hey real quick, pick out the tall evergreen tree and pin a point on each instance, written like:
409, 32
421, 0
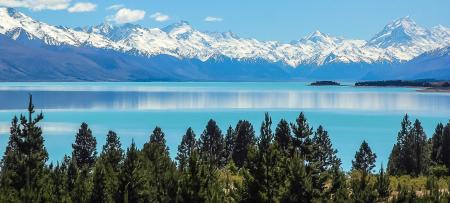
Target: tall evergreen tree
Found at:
84, 149
200, 182
401, 159
230, 138
394, 166
301, 139
245, 138
283, 136
212, 144
323, 158
83, 186
23, 165
185, 149
446, 146
112, 153
364, 159
100, 191
410, 155
72, 174
159, 168
267, 176
132, 181
107, 169
299, 182
436, 141
420, 150
338, 192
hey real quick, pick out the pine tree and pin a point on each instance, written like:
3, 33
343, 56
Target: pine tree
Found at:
23, 165
132, 181
299, 182
401, 160
159, 169
212, 144
421, 155
364, 159
338, 192
394, 161
323, 158
301, 139
410, 155
230, 138
185, 149
283, 137
82, 188
267, 176
100, 192
72, 174
59, 180
383, 184
446, 146
108, 167
245, 138
84, 149
112, 153
436, 140
200, 182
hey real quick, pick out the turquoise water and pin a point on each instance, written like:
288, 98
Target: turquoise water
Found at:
349, 114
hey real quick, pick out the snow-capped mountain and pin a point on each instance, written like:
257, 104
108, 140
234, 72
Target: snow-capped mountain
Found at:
401, 40
31, 50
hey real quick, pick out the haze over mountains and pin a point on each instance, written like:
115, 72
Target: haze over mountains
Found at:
35, 51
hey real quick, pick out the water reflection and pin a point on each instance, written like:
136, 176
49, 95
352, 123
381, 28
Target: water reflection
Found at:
239, 99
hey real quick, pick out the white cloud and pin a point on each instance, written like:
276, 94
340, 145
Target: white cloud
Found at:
160, 17
212, 19
37, 5
82, 7
125, 15
115, 7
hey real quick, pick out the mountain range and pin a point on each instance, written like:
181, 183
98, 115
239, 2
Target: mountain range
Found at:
31, 50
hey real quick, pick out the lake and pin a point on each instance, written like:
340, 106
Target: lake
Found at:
349, 114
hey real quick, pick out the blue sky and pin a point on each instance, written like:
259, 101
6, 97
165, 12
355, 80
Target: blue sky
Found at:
282, 20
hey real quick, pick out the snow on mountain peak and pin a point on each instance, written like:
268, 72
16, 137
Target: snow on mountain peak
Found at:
400, 40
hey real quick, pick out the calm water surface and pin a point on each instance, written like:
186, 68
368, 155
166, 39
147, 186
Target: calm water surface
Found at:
349, 114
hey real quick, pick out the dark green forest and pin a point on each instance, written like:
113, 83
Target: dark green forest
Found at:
277, 162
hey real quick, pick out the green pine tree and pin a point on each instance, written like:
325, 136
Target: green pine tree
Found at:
245, 139
159, 169
212, 144
265, 168
100, 192
299, 182
230, 138
302, 136
446, 146
364, 159
283, 137
323, 158
132, 180
23, 164
84, 149
185, 149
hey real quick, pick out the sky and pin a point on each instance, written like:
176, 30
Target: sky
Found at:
281, 20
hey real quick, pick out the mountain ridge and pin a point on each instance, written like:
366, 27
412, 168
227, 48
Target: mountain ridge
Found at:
401, 40
176, 49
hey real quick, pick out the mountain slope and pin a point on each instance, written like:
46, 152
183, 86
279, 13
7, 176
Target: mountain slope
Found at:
130, 52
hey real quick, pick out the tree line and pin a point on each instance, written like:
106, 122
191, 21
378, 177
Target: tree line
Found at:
292, 163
